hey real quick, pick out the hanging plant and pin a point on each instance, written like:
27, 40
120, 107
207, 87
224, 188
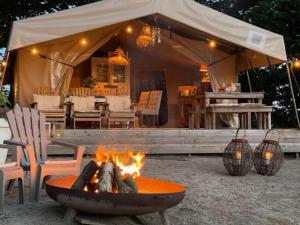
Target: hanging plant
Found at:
89, 82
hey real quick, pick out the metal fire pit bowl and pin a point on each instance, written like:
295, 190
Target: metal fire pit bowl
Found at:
154, 196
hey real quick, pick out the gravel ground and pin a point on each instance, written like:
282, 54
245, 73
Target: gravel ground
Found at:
212, 196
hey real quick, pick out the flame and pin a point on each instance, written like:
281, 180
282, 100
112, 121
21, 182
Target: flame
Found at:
130, 163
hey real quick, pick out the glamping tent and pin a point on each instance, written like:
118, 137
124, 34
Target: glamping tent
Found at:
186, 28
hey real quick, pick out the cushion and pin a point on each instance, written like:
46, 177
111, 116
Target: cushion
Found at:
8, 165
83, 103
118, 103
46, 102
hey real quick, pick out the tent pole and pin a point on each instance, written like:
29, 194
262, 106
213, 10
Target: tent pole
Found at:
292, 92
249, 82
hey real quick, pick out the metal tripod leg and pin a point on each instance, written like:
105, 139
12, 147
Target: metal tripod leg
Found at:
164, 218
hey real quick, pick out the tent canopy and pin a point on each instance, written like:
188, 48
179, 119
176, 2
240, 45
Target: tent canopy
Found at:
108, 12
186, 26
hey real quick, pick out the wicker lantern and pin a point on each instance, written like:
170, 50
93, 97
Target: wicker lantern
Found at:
238, 157
268, 157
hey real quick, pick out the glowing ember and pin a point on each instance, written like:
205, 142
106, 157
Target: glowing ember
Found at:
129, 163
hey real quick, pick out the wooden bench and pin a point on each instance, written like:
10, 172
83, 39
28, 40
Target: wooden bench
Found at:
244, 111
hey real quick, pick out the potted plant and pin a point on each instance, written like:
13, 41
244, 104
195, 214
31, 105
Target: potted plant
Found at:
4, 127
89, 82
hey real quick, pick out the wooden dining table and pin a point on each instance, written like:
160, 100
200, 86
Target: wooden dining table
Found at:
203, 100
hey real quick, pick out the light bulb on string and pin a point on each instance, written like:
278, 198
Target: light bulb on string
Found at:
34, 51
129, 29
212, 44
297, 63
4, 64
83, 41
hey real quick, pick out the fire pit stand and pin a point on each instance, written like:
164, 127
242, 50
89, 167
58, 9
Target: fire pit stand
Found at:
154, 196
91, 220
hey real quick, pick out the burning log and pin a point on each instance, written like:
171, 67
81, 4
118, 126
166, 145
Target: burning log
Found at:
106, 178
87, 174
129, 180
127, 185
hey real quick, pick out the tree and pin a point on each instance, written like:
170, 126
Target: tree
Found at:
282, 17
20, 9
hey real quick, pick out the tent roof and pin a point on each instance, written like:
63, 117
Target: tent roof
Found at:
108, 12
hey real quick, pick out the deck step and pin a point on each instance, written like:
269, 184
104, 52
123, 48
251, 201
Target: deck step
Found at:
164, 149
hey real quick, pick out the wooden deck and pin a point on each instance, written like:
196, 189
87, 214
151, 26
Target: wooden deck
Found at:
172, 141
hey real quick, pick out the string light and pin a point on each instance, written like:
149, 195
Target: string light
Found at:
212, 44
34, 51
4, 63
297, 63
129, 29
83, 41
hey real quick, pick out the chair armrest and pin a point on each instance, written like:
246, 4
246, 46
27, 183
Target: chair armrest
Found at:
79, 149
15, 143
63, 143
34, 105
16, 152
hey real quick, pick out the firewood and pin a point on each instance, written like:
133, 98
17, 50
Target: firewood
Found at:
118, 178
107, 177
86, 175
129, 180
121, 185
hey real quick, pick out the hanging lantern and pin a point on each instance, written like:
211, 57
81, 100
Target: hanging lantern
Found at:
118, 58
268, 157
238, 156
203, 68
145, 39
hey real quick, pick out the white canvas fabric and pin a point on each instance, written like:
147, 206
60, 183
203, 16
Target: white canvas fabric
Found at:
108, 12
57, 36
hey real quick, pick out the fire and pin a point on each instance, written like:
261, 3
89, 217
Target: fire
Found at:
130, 163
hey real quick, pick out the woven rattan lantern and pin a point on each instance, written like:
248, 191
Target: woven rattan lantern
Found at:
268, 157
238, 157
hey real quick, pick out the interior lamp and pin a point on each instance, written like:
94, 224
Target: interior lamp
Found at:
118, 58
203, 68
145, 39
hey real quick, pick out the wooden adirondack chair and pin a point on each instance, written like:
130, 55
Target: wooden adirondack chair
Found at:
11, 171
28, 131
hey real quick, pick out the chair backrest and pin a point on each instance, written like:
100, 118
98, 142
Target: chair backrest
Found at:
143, 101
28, 126
83, 103
154, 102
46, 102
119, 103
43, 91
81, 92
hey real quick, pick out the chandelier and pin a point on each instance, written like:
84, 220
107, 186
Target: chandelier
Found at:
118, 58
148, 36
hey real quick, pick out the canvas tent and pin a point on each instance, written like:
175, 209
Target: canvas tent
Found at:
240, 45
